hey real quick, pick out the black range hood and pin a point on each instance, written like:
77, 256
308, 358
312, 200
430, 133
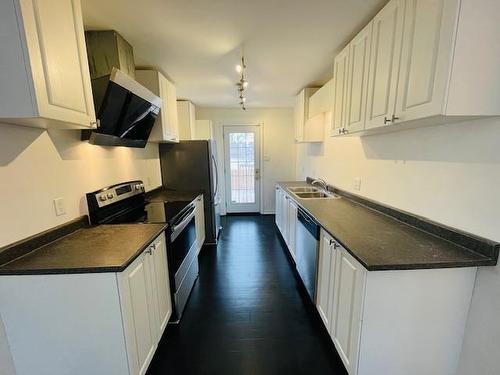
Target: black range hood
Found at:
126, 111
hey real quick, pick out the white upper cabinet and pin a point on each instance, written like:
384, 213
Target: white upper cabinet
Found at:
450, 59
429, 63
340, 70
301, 112
384, 64
166, 128
186, 113
44, 76
424, 59
357, 80
320, 111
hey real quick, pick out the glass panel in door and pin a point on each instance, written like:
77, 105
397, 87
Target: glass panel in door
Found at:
242, 168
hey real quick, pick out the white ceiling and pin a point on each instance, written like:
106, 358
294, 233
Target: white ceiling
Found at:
288, 44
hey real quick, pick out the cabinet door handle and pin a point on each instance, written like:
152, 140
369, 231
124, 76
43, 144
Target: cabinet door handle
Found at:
394, 118
334, 244
386, 120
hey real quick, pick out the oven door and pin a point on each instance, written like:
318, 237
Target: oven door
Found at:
182, 239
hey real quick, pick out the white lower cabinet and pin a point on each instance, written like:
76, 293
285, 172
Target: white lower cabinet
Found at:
146, 304
199, 220
348, 291
397, 322
286, 219
292, 226
278, 210
326, 277
135, 286
90, 323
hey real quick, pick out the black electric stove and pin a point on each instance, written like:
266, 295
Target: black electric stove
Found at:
126, 203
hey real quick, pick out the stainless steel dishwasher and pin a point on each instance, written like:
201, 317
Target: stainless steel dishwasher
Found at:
307, 251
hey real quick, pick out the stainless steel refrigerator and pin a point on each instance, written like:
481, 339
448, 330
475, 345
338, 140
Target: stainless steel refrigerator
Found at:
192, 166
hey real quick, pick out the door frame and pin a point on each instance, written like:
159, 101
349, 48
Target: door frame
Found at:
222, 158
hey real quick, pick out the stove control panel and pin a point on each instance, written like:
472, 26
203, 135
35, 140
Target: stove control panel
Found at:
116, 193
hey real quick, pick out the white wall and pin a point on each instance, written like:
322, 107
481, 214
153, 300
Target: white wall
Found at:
37, 166
448, 173
277, 143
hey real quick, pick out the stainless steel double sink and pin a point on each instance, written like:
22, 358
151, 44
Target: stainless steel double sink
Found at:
306, 192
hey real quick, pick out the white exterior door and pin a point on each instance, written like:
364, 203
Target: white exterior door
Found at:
242, 168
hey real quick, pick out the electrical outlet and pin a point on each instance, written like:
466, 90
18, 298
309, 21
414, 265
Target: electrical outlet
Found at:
357, 183
59, 206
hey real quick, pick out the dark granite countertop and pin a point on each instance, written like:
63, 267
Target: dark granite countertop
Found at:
162, 194
381, 242
103, 248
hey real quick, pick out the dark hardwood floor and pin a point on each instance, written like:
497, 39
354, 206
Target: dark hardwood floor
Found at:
247, 314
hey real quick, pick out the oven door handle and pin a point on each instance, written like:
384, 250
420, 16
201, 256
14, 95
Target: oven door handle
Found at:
177, 228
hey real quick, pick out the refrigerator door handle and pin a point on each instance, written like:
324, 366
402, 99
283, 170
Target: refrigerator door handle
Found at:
216, 177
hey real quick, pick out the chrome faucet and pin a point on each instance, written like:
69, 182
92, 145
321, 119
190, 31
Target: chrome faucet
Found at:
320, 182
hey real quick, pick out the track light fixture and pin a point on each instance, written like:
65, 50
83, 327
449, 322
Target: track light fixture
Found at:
242, 83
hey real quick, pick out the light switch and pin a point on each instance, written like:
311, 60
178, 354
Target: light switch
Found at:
59, 206
357, 183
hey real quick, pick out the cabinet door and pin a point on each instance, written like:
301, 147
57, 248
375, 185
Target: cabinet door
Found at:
384, 64
357, 83
277, 209
299, 116
161, 285
137, 308
200, 222
326, 276
58, 58
284, 219
292, 226
168, 128
424, 64
173, 124
348, 296
340, 72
